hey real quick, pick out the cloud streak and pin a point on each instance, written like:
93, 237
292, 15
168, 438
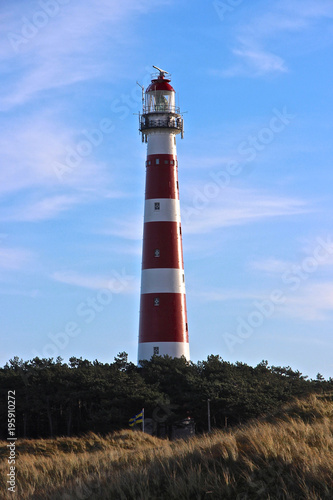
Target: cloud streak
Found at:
46, 60
47, 208
318, 255
259, 38
314, 302
13, 259
115, 282
238, 207
311, 302
255, 62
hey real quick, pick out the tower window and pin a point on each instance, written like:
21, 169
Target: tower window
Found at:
149, 162
177, 185
180, 230
156, 301
157, 161
171, 162
157, 205
183, 278
166, 162
156, 350
186, 327
157, 252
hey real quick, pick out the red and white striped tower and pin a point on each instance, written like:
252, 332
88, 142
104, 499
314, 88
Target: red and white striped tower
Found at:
163, 319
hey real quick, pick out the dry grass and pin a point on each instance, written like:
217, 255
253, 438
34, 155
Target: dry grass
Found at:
288, 456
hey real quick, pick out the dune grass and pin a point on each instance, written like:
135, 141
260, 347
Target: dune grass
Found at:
285, 456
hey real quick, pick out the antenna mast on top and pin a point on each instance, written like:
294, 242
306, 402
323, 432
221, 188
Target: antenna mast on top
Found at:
162, 71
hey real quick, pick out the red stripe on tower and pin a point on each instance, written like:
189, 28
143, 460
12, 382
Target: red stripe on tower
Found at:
163, 318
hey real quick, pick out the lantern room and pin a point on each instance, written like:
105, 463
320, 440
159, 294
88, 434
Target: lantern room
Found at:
159, 101
160, 96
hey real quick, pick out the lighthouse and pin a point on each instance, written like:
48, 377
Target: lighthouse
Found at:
163, 328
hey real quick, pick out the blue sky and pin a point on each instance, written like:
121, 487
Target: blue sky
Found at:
255, 172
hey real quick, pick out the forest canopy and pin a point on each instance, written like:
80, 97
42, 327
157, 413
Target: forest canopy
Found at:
54, 398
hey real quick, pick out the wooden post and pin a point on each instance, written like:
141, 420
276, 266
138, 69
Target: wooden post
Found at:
208, 414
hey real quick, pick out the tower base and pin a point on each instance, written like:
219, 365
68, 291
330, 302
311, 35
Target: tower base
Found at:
173, 349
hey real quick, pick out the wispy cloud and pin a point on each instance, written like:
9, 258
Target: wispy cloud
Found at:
224, 295
44, 209
255, 62
271, 266
36, 148
77, 42
258, 40
315, 255
239, 206
129, 228
307, 11
14, 292
313, 302
14, 258
115, 281
47, 61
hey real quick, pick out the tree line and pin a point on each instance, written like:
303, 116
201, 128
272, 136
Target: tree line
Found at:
54, 398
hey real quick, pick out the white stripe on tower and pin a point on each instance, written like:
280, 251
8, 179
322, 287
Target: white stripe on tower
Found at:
169, 210
161, 142
173, 349
162, 281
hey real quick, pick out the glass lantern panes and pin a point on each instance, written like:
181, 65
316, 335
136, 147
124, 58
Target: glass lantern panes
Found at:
159, 101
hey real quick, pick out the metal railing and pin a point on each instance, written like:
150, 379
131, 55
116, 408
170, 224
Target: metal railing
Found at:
147, 123
160, 109
157, 75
